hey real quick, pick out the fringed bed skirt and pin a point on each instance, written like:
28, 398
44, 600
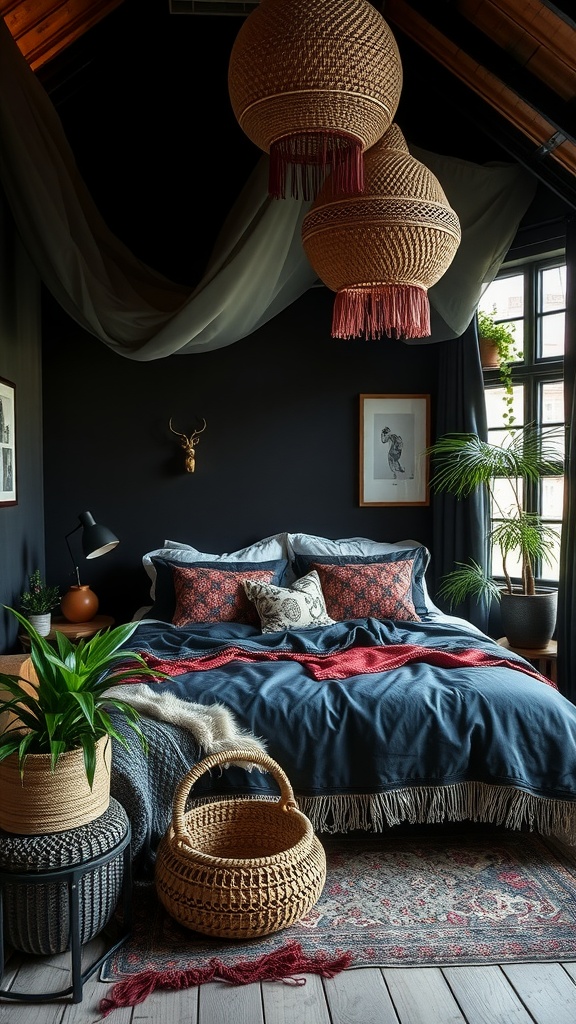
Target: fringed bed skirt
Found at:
426, 805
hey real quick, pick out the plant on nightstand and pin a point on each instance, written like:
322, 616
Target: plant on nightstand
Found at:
55, 751
463, 462
39, 601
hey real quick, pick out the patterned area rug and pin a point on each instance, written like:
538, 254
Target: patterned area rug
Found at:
503, 897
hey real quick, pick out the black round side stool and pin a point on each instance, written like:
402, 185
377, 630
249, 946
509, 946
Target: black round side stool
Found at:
58, 891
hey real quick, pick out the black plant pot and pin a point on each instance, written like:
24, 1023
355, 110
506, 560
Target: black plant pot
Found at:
529, 620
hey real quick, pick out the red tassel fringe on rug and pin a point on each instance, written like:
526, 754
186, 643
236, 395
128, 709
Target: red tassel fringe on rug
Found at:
281, 965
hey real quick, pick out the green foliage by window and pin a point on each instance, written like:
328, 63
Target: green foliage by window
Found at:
463, 462
503, 337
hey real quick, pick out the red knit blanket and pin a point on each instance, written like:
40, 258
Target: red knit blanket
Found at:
354, 661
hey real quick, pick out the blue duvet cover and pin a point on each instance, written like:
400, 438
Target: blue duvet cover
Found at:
374, 723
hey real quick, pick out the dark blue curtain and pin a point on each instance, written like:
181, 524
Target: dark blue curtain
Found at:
567, 589
460, 524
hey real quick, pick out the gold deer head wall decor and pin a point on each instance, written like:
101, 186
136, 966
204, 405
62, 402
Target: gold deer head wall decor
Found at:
189, 445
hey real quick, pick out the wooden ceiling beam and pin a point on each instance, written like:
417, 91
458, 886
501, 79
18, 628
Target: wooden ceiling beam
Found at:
562, 10
480, 49
45, 28
461, 104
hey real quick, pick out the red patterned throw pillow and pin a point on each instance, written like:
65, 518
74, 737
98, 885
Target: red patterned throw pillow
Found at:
382, 590
215, 595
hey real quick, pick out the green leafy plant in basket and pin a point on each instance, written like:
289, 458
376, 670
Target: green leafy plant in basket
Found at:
40, 598
67, 707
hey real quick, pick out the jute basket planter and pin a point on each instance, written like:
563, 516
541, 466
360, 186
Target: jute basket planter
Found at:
239, 868
44, 801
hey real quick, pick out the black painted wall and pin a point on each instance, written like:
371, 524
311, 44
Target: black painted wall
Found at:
21, 525
280, 451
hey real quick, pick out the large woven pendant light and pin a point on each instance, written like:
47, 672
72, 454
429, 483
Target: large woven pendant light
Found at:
314, 83
381, 250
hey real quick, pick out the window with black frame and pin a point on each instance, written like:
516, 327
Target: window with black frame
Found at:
530, 300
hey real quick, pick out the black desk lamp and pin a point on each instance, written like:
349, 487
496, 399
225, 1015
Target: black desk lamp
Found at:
80, 603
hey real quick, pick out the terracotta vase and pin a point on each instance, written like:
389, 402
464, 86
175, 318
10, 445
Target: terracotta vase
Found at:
489, 357
79, 604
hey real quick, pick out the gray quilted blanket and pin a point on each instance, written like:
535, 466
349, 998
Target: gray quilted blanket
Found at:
145, 783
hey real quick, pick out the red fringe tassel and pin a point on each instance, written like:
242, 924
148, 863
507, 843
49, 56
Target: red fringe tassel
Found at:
396, 310
304, 159
280, 965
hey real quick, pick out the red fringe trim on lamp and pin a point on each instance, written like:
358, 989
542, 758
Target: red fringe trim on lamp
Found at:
304, 158
396, 310
280, 965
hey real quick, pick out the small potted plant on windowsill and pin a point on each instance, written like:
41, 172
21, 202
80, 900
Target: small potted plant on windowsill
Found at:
498, 350
39, 601
463, 462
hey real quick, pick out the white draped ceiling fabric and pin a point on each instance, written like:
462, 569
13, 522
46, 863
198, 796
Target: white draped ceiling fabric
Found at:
258, 266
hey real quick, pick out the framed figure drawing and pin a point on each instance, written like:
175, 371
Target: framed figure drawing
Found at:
7, 443
394, 435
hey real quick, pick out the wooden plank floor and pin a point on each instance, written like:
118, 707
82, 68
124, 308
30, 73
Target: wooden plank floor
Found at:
533, 993
536, 993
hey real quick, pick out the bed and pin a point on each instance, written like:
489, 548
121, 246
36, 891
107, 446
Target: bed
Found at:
330, 654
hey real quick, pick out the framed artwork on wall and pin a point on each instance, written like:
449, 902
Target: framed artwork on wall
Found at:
394, 435
7, 443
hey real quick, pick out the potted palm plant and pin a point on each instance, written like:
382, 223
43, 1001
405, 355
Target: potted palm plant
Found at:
39, 601
55, 748
463, 462
498, 350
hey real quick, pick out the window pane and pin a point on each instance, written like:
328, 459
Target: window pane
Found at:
553, 402
504, 498
552, 335
532, 300
551, 568
512, 564
552, 496
553, 288
553, 440
495, 407
506, 294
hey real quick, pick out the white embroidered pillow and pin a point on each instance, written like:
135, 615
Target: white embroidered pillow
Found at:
299, 606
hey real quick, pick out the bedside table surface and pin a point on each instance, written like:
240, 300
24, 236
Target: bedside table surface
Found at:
550, 651
73, 630
77, 630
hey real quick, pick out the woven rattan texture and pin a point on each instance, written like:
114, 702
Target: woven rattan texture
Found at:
300, 65
37, 917
239, 869
401, 230
53, 801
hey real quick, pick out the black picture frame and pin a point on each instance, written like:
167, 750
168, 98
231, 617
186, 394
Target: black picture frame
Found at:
8, 491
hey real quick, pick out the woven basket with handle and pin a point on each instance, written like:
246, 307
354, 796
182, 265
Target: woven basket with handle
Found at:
239, 868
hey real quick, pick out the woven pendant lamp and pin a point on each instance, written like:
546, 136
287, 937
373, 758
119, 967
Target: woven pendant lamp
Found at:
314, 83
381, 250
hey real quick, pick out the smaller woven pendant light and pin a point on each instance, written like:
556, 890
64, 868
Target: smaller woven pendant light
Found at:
314, 83
381, 250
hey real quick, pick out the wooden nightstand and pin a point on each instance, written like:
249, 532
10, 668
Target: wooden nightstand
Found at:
73, 630
543, 658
